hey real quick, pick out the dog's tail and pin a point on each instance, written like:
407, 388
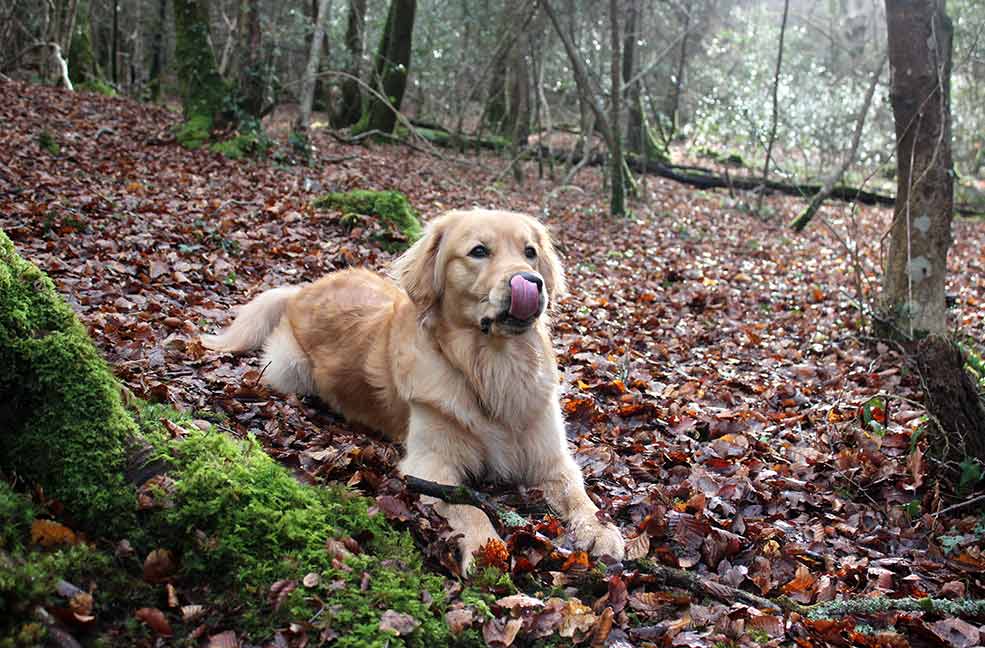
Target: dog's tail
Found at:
253, 323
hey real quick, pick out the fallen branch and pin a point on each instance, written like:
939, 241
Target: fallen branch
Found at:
467, 496
699, 584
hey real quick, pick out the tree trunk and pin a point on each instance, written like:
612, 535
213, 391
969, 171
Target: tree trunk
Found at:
776, 106
157, 51
919, 34
617, 202
203, 92
251, 80
589, 96
311, 71
675, 104
390, 69
82, 66
634, 107
351, 105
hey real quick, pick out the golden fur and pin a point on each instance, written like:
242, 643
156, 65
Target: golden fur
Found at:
437, 364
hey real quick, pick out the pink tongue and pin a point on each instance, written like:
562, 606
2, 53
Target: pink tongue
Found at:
524, 298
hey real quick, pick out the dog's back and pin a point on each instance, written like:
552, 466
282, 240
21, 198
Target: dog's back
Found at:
330, 339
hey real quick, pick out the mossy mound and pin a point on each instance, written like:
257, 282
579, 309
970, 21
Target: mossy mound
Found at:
246, 143
194, 132
256, 547
62, 424
401, 224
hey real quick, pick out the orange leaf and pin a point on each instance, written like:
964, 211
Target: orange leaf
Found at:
49, 533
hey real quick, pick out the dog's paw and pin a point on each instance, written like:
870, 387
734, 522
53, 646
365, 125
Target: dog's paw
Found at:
469, 546
598, 538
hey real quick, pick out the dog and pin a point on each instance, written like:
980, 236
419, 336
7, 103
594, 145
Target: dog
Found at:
454, 360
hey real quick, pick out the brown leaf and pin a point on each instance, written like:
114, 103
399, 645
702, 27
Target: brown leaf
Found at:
600, 633
159, 566
957, 633
638, 547
155, 620
459, 619
501, 632
225, 639
398, 623
576, 617
279, 592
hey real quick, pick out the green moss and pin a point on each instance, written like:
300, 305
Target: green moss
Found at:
390, 206
98, 86
47, 141
61, 422
195, 131
239, 523
16, 515
243, 144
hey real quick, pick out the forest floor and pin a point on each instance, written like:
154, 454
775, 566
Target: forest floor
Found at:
723, 396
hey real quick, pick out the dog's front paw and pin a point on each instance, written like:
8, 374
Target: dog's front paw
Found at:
470, 544
598, 538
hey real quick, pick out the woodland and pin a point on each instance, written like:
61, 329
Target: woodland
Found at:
770, 213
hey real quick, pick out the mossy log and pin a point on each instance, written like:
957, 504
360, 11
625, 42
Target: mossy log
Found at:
391, 207
235, 521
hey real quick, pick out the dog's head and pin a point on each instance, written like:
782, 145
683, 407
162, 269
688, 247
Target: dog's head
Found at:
494, 270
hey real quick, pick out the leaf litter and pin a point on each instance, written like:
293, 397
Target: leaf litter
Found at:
724, 403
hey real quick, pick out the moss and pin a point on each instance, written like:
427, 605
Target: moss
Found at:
204, 93
243, 144
47, 141
195, 131
98, 86
16, 514
263, 526
61, 423
390, 206
239, 522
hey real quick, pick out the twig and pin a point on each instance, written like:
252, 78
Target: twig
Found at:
700, 585
961, 505
467, 496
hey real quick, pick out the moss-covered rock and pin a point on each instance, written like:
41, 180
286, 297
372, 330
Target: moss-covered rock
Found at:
401, 224
237, 523
247, 143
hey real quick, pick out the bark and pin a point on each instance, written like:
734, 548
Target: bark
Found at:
351, 104
82, 65
675, 104
115, 43
776, 104
251, 80
617, 202
919, 34
589, 96
203, 92
157, 51
391, 69
634, 106
311, 71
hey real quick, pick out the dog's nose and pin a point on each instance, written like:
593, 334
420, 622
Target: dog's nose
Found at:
534, 279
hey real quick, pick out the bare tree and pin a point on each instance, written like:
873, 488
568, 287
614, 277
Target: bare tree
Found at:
805, 216
351, 103
776, 108
590, 97
311, 72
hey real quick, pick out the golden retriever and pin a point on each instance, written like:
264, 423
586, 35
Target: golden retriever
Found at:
456, 362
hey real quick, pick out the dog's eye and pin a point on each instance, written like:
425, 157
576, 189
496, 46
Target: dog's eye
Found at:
479, 252
530, 252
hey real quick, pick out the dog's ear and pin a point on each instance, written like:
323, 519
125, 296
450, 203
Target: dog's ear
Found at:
550, 266
417, 271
